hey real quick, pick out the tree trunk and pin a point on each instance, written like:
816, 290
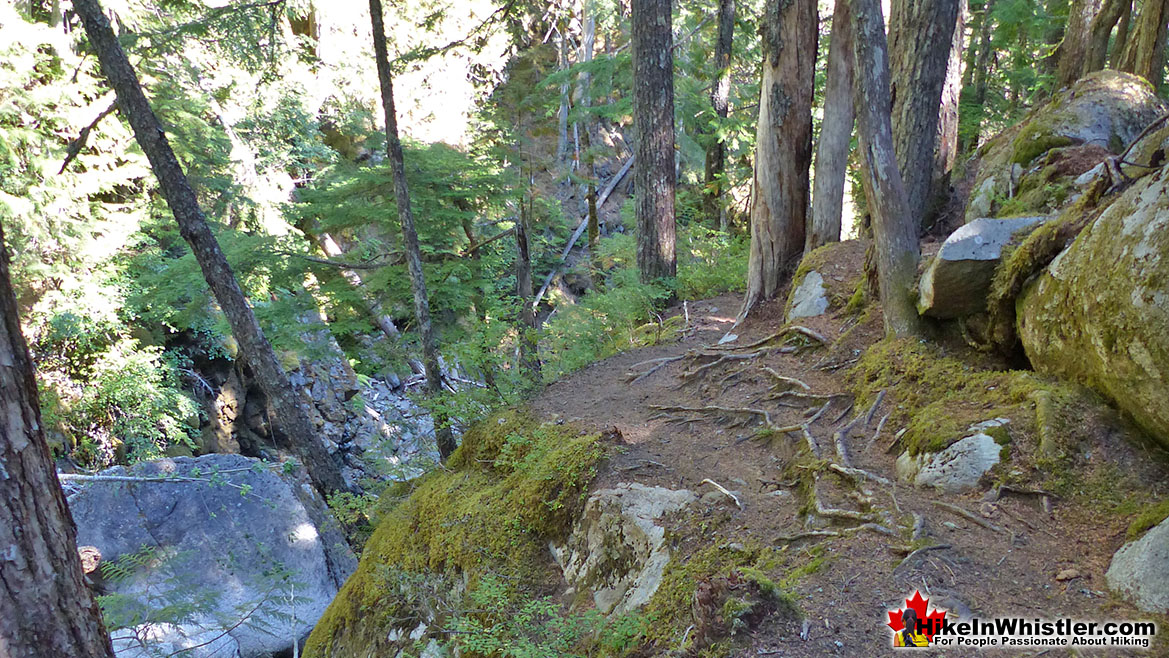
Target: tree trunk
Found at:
1122, 32
783, 147
835, 134
1097, 49
1144, 53
529, 348
254, 346
1074, 49
720, 93
562, 111
947, 152
921, 34
442, 430
45, 607
653, 117
979, 70
894, 229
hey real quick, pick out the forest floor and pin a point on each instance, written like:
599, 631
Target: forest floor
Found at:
1029, 558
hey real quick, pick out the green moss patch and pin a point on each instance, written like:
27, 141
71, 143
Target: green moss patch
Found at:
1148, 519
937, 396
514, 485
716, 593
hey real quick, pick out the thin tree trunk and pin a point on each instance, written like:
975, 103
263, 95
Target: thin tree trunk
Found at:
947, 151
920, 40
562, 112
45, 607
1122, 32
835, 134
442, 430
783, 148
653, 116
971, 127
1144, 53
894, 229
720, 93
529, 354
1076, 37
254, 346
1097, 49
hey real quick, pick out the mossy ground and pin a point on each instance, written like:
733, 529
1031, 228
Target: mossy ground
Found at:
937, 396
514, 485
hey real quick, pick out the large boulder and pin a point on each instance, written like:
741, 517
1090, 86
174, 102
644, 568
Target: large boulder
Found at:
1031, 168
617, 550
1099, 314
958, 279
236, 553
1140, 570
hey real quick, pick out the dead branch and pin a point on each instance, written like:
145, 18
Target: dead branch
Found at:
723, 489
918, 552
970, 516
76, 145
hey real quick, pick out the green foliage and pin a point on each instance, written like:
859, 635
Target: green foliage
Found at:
512, 486
505, 624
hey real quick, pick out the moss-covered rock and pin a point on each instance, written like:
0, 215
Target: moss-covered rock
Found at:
826, 279
1099, 115
512, 487
1099, 314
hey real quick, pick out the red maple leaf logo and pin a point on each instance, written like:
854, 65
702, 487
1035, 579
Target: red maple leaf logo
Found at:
931, 622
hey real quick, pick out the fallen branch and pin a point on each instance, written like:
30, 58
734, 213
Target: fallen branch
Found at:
723, 489
580, 229
914, 554
970, 516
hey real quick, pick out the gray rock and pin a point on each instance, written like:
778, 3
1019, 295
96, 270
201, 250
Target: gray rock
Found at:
1140, 570
239, 534
958, 468
616, 549
1097, 315
958, 280
810, 297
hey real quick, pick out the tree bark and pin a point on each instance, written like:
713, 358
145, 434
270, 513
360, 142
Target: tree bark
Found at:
1122, 32
835, 134
45, 607
653, 117
920, 40
720, 93
894, 229
442, 430
947, 151
1144, 53
783, 148
1101, 29
1074, 48
529, 348
180, 197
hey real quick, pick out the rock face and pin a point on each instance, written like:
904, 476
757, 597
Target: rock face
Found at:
1031, 168
1099, 314
227, 529
958, 468
810, 298
1140, 570
616, 549
958, 279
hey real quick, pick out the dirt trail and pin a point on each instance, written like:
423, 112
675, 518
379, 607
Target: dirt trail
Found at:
1010, 570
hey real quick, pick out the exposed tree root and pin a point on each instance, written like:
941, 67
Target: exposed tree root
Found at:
970, 516
917, 553
783, 332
